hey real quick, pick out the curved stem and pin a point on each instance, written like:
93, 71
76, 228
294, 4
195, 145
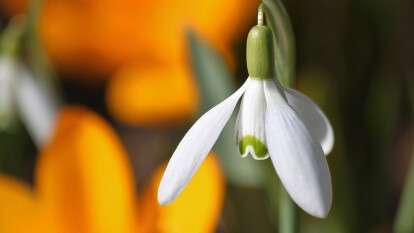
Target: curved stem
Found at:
260, 15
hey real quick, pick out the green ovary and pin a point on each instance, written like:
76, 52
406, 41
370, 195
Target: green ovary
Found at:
258, 146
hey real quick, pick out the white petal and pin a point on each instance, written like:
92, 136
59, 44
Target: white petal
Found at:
194, 147
7, 77
237, 125
313, 117
298, 159
36, 106
251, 122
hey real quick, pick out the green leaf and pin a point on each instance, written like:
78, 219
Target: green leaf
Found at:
215, 84
10, 39
404, 222
17, 152
405, 216
38, 60
278, 20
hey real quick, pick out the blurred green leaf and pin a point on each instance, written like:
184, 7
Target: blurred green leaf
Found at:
405, 217
17, 152
317, 84
215, 84
404, 222
10, 38
382, 110
37, 58
278, 20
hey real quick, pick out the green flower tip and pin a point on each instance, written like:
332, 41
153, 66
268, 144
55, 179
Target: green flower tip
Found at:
257, 148
259, 52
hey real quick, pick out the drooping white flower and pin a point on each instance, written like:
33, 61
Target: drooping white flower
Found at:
25, 96
273, 121
22, 95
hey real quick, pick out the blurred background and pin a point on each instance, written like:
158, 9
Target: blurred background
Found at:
122, 80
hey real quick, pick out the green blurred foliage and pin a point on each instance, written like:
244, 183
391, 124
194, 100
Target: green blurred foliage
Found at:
17, 152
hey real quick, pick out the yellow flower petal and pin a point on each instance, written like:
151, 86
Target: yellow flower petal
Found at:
143, 95
19, 211
84, 178
197, 209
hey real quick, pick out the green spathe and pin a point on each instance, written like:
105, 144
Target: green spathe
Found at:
259, 53
258, 146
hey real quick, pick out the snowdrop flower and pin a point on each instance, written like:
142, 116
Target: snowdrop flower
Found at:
273, 121
23, 94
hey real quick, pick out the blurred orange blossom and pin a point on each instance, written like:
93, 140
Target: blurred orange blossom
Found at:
169, 93
146, 38
84, 183
100, 36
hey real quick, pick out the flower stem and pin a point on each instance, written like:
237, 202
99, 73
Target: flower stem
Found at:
260, 17
288, 219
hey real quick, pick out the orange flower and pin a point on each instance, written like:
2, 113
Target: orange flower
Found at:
146, 38
19, 210
84, 183
101, 36
204, 197
83, 176
152, 96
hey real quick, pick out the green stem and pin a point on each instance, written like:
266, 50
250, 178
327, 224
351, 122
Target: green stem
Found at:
280, 204
288, 219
